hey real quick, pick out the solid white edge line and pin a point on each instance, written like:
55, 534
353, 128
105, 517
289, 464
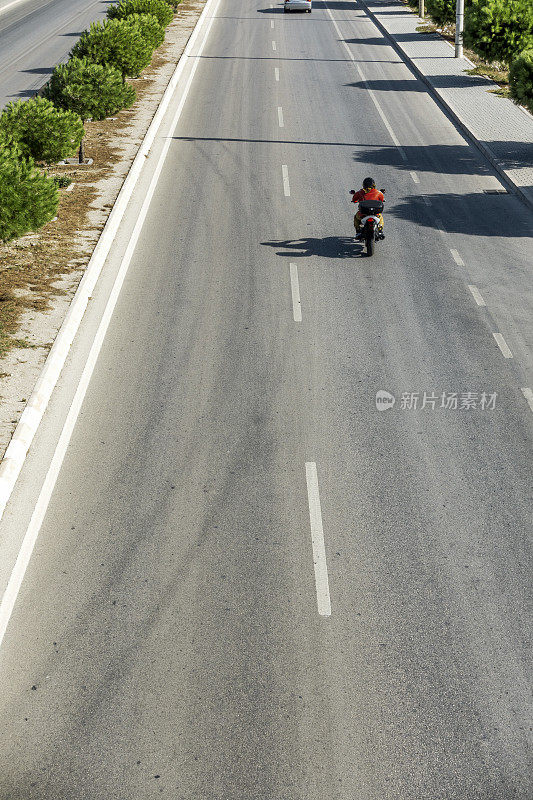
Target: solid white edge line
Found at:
276, 73
14, 457
528, 394
286, 186
280, 117
369, 90
476, 294
295, 291
457, 258
502, 344
317, 538
17, 575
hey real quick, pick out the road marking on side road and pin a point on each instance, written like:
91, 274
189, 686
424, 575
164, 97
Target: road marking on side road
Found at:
528, 394
415, 177
280, 117
369, 90
276, 73
70, 187
286, 187
502, 344
457, 258
317, 539
23, 558
295, 291
273, 45
476, 294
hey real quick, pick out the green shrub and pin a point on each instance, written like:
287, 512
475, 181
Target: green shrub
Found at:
158, 8
521, 79
498, 30
442, 12
117, 42
28, 199
41, 130
152, 31
61, 181
94, 91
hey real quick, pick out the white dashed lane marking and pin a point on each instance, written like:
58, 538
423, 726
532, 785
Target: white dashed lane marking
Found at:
280, 117
457, 258
528, 394
502, 344
285, 174
317, 539
476, 294
295, 291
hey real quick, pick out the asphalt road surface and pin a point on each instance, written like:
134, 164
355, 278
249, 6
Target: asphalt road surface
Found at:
250, 583
35, 35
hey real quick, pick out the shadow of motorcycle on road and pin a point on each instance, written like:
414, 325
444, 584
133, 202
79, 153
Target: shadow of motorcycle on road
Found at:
326, 247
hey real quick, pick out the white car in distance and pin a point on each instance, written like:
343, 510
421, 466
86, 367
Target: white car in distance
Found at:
297, 5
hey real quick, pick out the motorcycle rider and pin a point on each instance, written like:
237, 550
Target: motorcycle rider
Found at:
368, 192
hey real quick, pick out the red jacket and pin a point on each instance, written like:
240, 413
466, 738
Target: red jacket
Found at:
371, 194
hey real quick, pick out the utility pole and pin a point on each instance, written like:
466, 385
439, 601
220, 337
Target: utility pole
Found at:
421, 9
459, 26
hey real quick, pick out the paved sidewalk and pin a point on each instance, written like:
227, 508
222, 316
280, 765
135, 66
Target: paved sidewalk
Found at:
502, 130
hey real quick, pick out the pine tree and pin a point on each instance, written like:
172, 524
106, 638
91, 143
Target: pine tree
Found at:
498, 30
94, 91
521, 79
152, 31
28, 198
442, 12
117, 42
159, 8
41, 130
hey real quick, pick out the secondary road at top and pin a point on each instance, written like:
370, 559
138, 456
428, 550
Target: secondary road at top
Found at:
35, 35
249, 582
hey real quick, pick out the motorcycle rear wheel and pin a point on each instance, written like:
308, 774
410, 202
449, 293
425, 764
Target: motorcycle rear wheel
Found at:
370, 245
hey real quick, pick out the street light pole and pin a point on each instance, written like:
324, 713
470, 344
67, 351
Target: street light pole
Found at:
459, 25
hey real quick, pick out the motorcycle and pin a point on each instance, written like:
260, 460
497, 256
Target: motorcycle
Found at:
371, 227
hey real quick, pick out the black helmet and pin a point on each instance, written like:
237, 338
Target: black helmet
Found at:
369, 183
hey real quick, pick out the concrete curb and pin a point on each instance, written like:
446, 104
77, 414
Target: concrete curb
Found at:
486, 151
32, 415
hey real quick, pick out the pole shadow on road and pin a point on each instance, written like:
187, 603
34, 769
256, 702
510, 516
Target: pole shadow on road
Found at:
325, 247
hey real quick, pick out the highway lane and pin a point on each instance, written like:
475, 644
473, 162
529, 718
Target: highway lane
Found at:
168, 619
37, 35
